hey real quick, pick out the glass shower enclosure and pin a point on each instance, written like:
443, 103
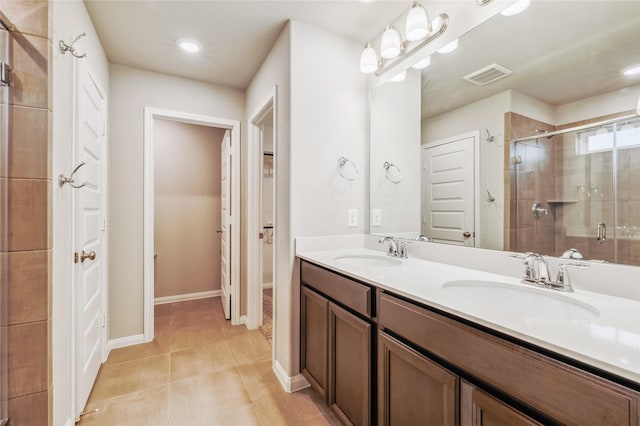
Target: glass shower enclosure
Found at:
579, 189
5, 74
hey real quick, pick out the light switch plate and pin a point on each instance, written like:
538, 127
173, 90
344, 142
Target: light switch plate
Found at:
376, 217
352, 218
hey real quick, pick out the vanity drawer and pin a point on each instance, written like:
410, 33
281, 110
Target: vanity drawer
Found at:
557, 390
353, 295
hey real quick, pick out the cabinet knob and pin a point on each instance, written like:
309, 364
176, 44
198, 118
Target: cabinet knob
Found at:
466, 234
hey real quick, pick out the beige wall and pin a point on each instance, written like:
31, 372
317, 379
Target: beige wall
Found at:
187, 208
131, 91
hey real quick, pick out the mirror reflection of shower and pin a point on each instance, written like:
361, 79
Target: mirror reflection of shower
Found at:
585, 178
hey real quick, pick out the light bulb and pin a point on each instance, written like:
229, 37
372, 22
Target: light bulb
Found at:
448, 48
399, 77
368, 60
391, 43
422, 63
517, 7
417, 25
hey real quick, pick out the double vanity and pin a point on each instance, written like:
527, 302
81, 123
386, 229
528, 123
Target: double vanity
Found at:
387, 340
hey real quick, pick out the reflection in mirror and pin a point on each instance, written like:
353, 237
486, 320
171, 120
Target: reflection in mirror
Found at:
473, 170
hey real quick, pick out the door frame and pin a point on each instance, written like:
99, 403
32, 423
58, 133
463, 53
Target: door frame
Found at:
150, 115
476, 176
104, 350
254, 210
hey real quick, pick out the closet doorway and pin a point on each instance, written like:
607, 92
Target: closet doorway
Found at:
262, 229
191, 204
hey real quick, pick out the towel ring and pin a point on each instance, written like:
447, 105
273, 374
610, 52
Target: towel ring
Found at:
387, 166
344, 161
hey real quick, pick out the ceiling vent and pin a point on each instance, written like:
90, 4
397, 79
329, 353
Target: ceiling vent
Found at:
488, 74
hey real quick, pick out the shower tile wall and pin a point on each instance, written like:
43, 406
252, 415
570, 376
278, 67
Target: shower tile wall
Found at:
29, 214
530, 181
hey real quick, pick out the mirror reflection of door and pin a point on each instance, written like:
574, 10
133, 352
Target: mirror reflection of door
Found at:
448, 201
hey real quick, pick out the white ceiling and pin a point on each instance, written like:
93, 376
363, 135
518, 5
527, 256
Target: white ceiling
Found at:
236, 35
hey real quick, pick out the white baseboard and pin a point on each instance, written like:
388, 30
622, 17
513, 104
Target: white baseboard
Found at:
121, 342
289, 384
267, 285
187, 296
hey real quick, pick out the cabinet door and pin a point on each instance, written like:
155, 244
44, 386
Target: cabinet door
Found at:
314, 315
480, 409
412, 389
349, 366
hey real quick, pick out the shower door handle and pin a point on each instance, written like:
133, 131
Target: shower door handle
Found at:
601, 232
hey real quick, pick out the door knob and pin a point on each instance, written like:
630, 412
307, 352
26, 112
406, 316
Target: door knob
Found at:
82, 256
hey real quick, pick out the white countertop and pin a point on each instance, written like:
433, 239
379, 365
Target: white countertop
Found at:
607, 337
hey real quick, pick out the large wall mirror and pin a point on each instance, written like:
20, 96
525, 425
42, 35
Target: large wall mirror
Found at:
494, 144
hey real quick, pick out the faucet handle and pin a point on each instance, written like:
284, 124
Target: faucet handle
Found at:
402, 250
563, 281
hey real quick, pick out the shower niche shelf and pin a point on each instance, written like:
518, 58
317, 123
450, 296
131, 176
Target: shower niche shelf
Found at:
562, 201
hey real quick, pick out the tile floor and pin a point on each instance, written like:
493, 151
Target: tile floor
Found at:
199, 370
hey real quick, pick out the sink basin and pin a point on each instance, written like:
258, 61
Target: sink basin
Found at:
520, 301
371, 260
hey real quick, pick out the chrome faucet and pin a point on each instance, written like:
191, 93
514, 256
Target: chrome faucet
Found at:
395, 249
536, 272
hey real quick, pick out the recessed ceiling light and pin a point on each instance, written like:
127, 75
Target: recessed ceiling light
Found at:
518, 7
448, 48
189, 45
632, 70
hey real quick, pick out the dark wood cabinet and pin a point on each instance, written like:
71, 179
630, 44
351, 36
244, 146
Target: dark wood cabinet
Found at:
336, 342
412, 389
436, 369
477, 408
349, 366
314, 314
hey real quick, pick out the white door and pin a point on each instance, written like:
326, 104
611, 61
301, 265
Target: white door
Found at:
226, 223
448, 192
89, 219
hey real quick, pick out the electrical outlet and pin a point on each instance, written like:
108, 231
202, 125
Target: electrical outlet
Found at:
376, 217
352, 218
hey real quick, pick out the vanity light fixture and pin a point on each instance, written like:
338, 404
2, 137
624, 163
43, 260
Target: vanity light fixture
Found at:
399, 77
448, 48
189, 45
422, 63
518, 7
391, 44
368, 60
417, 25
419, 31
632, 70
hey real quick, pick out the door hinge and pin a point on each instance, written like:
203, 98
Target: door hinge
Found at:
76, 257
104, 320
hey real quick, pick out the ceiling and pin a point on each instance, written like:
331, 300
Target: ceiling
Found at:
236, 35
559, 52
